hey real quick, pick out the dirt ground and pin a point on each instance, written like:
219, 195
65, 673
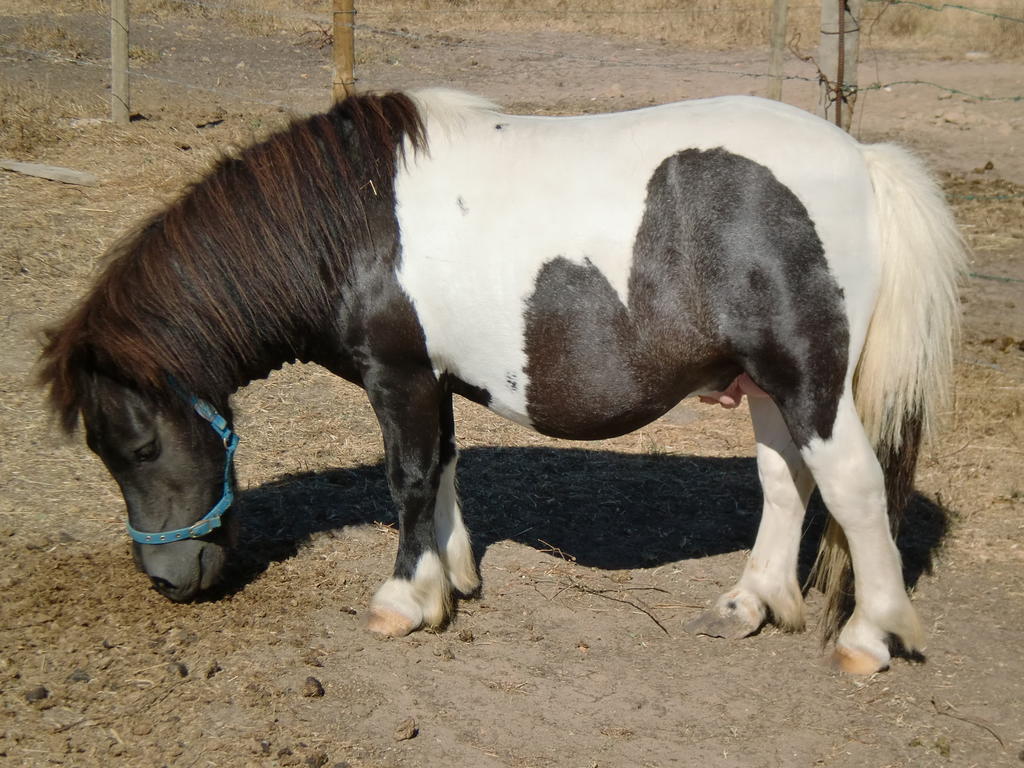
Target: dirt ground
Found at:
593, 555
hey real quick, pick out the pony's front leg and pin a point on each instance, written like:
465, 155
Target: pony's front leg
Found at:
769, 584
408, 405
453, 541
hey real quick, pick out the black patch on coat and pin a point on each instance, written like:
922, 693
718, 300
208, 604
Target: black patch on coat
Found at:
728, 275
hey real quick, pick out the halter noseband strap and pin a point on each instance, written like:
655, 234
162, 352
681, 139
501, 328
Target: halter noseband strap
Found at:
211, 520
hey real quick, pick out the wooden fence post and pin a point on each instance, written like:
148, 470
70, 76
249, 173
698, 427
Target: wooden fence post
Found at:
120, 98
344, 49
779, 10
837, 59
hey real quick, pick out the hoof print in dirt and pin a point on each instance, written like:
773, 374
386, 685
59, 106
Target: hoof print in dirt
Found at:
407, 730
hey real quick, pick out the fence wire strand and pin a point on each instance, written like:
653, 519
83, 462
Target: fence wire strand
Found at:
948, 6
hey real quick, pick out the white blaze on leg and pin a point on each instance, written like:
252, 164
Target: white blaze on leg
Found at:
452, 537
402, 606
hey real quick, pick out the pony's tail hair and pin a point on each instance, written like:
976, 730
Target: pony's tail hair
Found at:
903, 379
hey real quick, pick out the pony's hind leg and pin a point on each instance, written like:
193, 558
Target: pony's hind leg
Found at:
769, 584
853, 488
419, 592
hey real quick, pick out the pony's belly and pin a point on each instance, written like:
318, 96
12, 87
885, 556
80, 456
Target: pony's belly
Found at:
594, 420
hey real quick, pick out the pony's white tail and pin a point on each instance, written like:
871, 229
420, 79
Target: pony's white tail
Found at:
904, 377
906, 369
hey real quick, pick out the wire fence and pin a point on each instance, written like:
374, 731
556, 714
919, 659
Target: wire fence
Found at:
321, 20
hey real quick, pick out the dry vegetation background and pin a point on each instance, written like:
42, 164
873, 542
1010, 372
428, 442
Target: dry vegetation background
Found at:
587, 550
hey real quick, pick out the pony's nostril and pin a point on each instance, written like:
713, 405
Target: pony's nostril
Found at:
163, 586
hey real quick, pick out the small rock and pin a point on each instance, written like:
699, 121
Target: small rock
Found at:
407, 730
79, 676
312, 688
465, 636
38, 693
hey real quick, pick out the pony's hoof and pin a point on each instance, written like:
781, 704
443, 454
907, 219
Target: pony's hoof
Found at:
715, 625
854, 661
389, 623
733, 616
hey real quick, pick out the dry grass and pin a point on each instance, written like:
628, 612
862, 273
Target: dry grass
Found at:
31, 119
49, 37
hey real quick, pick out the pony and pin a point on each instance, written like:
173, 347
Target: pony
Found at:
578, 275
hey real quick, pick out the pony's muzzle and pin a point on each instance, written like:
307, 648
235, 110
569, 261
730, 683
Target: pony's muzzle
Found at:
180, 571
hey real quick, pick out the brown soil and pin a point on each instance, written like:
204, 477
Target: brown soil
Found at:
593, 555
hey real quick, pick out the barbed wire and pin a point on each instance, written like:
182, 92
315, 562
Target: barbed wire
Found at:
948, 6
703, 70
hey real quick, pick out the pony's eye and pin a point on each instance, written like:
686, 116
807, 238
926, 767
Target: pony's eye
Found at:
148, 452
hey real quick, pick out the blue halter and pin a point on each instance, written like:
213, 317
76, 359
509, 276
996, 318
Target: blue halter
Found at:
211, 520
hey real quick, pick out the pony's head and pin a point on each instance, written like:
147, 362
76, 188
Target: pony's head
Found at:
173, 469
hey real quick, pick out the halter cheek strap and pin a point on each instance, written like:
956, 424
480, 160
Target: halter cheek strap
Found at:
211, 520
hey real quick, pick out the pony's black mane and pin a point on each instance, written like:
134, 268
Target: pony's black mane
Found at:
250, 259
